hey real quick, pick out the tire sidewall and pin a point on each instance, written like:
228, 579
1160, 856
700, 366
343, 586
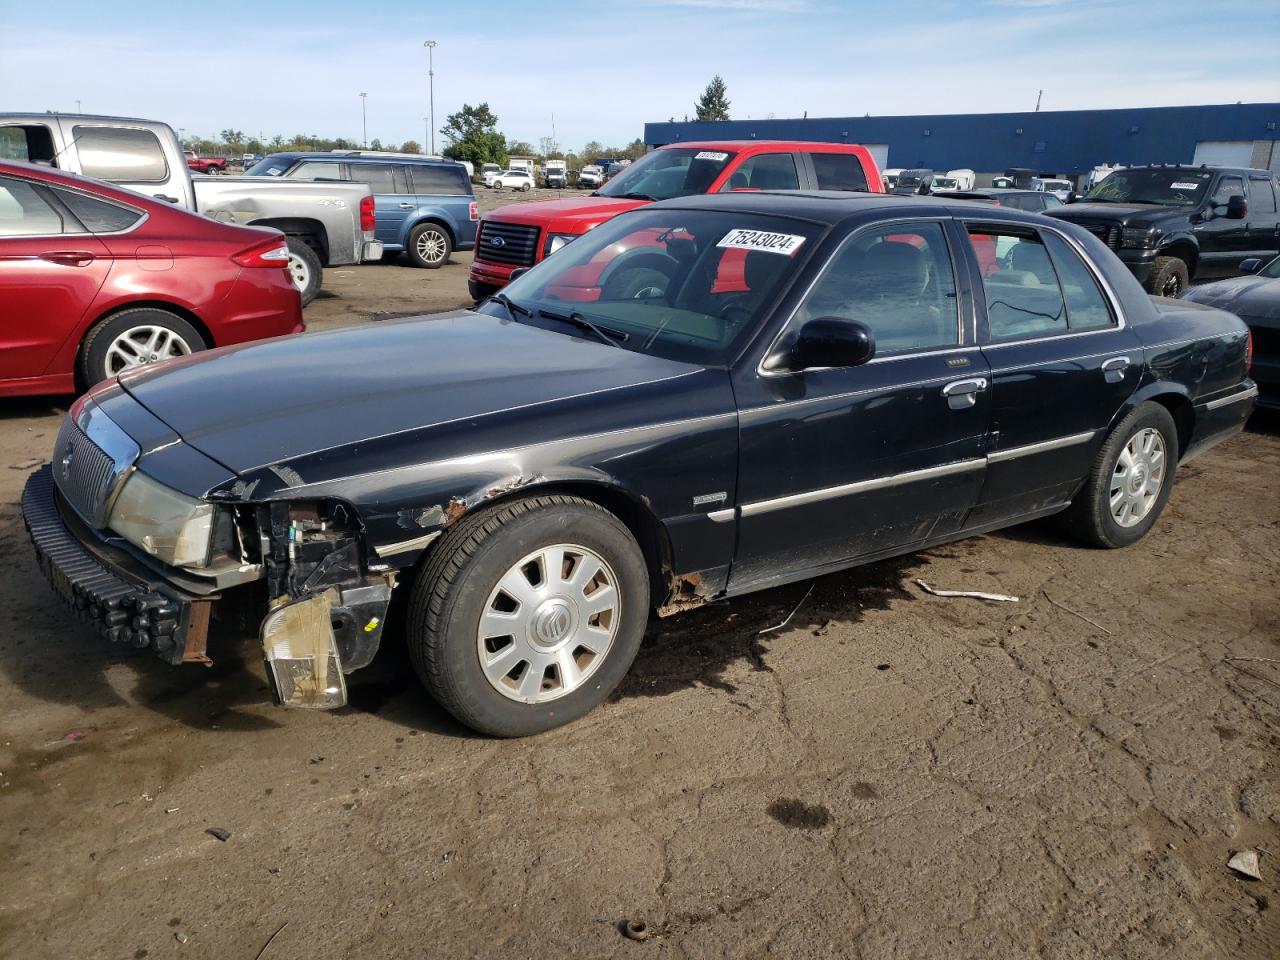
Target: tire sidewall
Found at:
93, 362
489, 711
300, 249
1146, 415
417, 232
1167, 269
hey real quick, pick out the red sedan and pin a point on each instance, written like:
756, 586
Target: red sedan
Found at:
95, 279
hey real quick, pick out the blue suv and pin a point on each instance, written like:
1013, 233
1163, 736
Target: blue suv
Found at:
424, 206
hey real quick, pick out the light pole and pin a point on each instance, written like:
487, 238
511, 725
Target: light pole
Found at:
78, 106
426, 134
431, 85
364, 120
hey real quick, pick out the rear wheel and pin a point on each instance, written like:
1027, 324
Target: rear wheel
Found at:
528, 615
527, 187
1129, 484
211, 170
1169, 277
304, 268
134, 338
429, 246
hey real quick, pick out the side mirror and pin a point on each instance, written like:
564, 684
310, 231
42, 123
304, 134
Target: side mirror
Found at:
1252, 265
824, 342
1237, 207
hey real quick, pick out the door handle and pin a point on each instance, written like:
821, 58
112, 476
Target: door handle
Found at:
1113, 369
406, 206
963, 394
69, 258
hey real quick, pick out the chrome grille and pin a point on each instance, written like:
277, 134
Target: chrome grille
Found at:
511, 243
88, 463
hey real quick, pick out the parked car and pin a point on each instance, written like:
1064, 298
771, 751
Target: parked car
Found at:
569, 463
206, 165
965, 179
423, 207
1171, 224
1033, 201
96, 280
913, 181
590, 177
889, 177
1255, 299
1062, 189
489, 170
515, 179
520, 235
325, 224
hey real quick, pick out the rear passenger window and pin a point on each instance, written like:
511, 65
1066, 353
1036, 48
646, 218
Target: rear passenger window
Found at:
1086, 306
24, 213
121, 154
381, 177
98, 216
439, 179
765, 171
1262, 198
838, 171
896, 279
1023, 296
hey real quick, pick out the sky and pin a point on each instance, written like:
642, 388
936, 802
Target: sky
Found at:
603, 68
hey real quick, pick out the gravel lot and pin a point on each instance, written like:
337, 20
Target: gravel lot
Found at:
891, 775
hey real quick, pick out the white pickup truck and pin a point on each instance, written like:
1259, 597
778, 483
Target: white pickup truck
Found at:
326, 223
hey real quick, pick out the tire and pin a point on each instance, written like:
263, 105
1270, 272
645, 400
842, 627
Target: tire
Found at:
1092, 517
1169, 277
429, 246
527, 187
112, 340
481, 291
304, 268
462, 580
211, 170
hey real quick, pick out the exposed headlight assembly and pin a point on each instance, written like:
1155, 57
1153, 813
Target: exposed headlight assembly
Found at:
557, 240
1141, 238
171, 526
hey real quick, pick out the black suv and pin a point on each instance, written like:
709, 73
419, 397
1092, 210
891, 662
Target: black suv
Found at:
1170, 223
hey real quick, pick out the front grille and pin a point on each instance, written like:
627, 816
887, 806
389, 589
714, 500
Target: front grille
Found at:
511, 243
1107, 233
82, 470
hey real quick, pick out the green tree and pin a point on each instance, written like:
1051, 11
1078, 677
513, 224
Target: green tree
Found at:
410, 146
633, 150
519, 148
473, 135
233, 139
375, 144
593, 149
713, 105
277, 142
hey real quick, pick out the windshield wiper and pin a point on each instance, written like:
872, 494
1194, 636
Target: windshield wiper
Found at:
636, 196
512, 307
614, 338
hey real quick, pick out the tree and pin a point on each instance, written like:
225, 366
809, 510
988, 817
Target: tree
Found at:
593, 149
713, 105
375, 144
633, 150
277, 142
233, 139
548, 149
473, 135
410, 146
519, 148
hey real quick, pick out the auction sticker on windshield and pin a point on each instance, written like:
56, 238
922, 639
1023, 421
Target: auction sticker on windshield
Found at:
1184, 186
711, 155
743, 239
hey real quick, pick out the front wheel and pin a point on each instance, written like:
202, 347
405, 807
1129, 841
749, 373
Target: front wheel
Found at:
528, 615
1169, 277
1129, 485
429, 246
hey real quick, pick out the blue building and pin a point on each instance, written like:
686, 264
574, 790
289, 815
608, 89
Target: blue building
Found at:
1067, 143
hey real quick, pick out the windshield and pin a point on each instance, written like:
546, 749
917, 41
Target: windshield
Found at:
664, 174
681, 284
1271, 270
1169, 188
945, 183
270, 167
912, 178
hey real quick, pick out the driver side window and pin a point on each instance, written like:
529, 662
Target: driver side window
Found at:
1228, 187
897, 280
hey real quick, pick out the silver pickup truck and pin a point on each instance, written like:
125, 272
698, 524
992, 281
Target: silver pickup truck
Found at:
326, 223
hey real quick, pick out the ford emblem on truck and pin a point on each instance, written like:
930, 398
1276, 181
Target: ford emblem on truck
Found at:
498, 242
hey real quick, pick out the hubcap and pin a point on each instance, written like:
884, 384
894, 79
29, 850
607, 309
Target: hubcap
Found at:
1172, 287
431, 246
1138, 477
300, 272
549, 623
140, 345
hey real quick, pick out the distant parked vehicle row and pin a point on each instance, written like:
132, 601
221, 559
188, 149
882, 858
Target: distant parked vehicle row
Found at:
1033, 201
513, 180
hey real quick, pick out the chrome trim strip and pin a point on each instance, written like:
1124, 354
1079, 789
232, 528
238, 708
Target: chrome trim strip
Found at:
861, 486
721, 516
404, 546
1248, 393
1044, 446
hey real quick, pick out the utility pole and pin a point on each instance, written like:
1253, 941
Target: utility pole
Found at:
78, 106
426, 133
1038, 96
431, 84
364, 120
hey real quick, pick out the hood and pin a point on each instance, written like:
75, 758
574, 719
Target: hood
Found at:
570, 215
1123, 212
1253, 298
268, 402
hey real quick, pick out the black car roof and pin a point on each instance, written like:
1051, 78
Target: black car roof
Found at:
830, 207
354, 157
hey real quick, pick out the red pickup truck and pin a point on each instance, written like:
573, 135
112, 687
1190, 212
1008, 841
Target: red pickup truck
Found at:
209, 165
518, 236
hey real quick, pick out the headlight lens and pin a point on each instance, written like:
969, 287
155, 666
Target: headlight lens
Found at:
1140, 237
557, 240
168, 525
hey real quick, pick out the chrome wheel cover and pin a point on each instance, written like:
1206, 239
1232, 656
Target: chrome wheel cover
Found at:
300, 271
1172, 286
549, 623
142, 345
431, 246
1137, 477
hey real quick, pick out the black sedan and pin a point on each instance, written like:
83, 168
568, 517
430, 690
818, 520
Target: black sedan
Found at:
1032, 201
1255, 299
701, 398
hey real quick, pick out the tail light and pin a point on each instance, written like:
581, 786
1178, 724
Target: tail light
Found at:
268, 253
475, 210
366, 214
